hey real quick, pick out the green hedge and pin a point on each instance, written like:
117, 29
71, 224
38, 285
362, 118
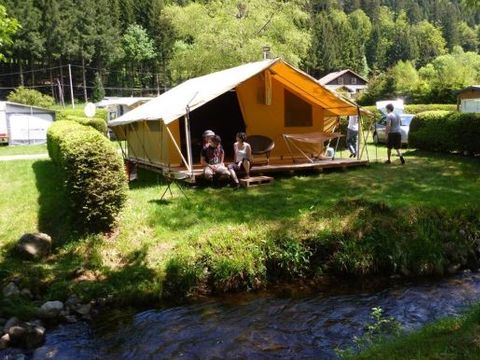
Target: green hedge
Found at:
418, 108
445, 132
64, 114
94, 174
96, 123
414, 109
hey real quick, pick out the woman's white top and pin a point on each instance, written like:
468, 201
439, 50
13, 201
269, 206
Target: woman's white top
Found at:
353, 122
241, 154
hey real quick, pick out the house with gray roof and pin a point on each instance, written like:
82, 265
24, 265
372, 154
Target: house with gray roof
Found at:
345, 81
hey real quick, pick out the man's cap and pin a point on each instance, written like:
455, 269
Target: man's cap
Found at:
208, 133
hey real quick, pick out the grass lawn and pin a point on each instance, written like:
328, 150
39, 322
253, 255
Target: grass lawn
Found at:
23, 149
221, 224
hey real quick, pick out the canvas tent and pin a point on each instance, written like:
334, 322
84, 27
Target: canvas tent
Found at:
268, 97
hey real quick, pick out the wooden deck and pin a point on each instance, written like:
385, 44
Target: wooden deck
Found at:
275, 166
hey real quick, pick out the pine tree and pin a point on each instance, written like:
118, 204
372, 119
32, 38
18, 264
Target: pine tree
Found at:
98, 89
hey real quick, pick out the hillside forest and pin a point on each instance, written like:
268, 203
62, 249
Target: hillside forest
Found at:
420, 50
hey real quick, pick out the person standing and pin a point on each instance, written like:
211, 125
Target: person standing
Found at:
352, 134
394, 136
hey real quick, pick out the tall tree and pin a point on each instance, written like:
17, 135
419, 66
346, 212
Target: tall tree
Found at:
213, 37
467, 37
28, 42
8, 27
403, 46
138, 49
163, 35
432, 43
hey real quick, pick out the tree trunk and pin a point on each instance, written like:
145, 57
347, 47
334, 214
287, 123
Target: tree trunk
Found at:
32, 65
84, 80
51, 82
20, 66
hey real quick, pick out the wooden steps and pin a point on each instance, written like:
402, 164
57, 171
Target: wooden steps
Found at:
255, 181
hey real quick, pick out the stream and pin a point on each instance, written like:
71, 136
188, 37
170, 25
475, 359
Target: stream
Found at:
283, 324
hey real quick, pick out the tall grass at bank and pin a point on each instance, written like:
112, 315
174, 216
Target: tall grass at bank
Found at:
450, 338
220, 240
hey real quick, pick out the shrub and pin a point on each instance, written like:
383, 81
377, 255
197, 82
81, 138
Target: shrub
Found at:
65, 114
95, 179
418, 108
96, 123
445, 131
32, 97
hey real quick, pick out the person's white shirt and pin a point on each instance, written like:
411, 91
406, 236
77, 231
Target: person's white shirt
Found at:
353, 122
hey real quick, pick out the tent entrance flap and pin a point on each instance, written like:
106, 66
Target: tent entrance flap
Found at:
223, 116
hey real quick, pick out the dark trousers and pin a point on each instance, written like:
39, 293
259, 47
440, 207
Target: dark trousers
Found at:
352, 141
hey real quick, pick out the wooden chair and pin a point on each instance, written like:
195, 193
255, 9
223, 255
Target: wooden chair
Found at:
261, 145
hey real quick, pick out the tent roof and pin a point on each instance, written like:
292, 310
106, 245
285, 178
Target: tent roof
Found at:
195, 92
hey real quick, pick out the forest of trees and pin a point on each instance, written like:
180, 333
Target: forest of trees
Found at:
141, 47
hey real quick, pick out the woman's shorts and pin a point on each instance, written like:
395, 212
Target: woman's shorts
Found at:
394, 140
236, 167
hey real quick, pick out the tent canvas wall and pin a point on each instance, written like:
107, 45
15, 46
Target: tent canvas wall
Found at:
268, 98
26, 124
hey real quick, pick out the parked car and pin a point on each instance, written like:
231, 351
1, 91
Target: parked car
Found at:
379, 135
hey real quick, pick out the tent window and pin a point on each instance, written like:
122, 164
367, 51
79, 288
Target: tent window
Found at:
298, 113
154, 126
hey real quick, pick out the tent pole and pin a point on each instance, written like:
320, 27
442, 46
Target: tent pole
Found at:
178, 149
188, 139
360, 131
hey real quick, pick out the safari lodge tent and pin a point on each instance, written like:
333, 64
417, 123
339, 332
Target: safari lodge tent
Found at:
269, 98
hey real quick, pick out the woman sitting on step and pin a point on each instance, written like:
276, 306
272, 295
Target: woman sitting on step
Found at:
243, 157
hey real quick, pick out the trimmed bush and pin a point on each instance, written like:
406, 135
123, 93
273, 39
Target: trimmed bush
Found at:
414, 109
64, 114
445, 131
94, 174
32, 97
419, 108
98, 124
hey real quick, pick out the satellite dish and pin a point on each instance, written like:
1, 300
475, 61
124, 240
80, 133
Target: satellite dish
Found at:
90, 110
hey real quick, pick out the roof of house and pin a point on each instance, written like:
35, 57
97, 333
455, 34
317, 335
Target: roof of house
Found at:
3, 106
470, 88
333, 75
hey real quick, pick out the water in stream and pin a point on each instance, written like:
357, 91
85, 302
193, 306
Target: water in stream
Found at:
258, 326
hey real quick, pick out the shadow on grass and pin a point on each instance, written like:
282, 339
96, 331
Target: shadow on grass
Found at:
54, 217
78, 263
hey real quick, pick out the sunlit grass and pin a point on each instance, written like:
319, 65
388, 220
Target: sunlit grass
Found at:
23, 149
152, 231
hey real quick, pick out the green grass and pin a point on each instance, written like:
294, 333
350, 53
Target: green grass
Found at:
223, 240
450, 338
23, 149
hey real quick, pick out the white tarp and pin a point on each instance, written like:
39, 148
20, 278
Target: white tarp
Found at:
28, 129
194, 92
